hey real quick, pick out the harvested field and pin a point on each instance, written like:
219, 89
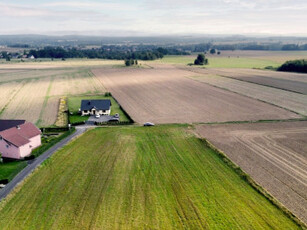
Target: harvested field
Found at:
47, 63
274, 154
28, 102
8, 92
292, 101
34, 94
165, 95
35, 74
138, 178
294, 82
80, 82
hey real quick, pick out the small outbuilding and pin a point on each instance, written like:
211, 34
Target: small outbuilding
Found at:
95, 107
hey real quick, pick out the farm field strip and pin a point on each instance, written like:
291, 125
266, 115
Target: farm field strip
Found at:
37, 101
77, 83
285, 99
34, 74
27, 104
293, 82
7, 93
165, 95
274, 154
138, 177
47, 64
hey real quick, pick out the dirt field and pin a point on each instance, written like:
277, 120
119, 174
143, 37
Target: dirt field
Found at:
292, 101
165, 95
274, 154
294, 82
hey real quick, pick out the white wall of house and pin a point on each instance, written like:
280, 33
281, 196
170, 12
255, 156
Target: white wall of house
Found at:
26, 149
96, 112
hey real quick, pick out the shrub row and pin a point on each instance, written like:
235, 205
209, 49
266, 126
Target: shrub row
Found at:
54, 129
45, 147
114, 123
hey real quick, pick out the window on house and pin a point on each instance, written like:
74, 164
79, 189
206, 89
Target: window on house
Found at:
7, 146
85, 111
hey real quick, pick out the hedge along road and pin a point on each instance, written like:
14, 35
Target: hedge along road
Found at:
36, 162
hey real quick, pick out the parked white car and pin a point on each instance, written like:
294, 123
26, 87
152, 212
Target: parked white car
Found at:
149, 124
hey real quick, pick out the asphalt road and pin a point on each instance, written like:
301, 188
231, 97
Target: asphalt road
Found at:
36, 162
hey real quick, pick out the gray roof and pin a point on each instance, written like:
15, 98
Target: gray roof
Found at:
7, 124
97, 104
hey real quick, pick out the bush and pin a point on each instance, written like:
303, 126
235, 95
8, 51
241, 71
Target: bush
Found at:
4, 181
294, 66
201, 60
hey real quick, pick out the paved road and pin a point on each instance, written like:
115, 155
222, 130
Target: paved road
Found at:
36, 162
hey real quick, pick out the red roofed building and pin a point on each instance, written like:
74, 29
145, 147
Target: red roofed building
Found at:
18, 138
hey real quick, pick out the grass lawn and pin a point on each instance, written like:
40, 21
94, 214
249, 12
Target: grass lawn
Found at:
160, 177
223, 62
74, 103
10, 169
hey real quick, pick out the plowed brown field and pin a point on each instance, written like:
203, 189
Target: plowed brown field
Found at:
274, 154
164, 95
294, 82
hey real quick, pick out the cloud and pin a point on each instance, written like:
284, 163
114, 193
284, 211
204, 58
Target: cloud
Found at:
155, 16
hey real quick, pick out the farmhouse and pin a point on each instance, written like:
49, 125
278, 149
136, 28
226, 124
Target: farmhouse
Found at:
18, 138
95, 107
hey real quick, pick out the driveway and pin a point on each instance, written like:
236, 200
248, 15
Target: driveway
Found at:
101, 119
37, 161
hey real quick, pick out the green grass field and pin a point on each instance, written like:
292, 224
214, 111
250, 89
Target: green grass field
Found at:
223, 62
9, 169
74, 104
160, 177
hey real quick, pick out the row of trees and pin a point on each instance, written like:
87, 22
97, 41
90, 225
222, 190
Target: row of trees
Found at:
299, 66
59, 52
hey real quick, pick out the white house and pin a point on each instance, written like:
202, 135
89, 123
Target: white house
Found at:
95, 107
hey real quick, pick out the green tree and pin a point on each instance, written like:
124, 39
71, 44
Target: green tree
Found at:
212, 51
201, 60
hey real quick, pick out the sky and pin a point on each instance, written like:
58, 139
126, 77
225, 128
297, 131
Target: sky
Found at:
154, 17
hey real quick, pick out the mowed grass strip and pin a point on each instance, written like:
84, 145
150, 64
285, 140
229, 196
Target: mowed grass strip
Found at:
222, 62
160, 177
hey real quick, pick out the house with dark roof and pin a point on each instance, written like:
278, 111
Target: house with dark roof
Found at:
95, 107
18, 138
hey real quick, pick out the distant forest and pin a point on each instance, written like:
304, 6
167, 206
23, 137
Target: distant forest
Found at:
299, 66
105, 52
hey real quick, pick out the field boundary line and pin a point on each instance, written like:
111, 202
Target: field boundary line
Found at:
251, 96
45, 102
246, 177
